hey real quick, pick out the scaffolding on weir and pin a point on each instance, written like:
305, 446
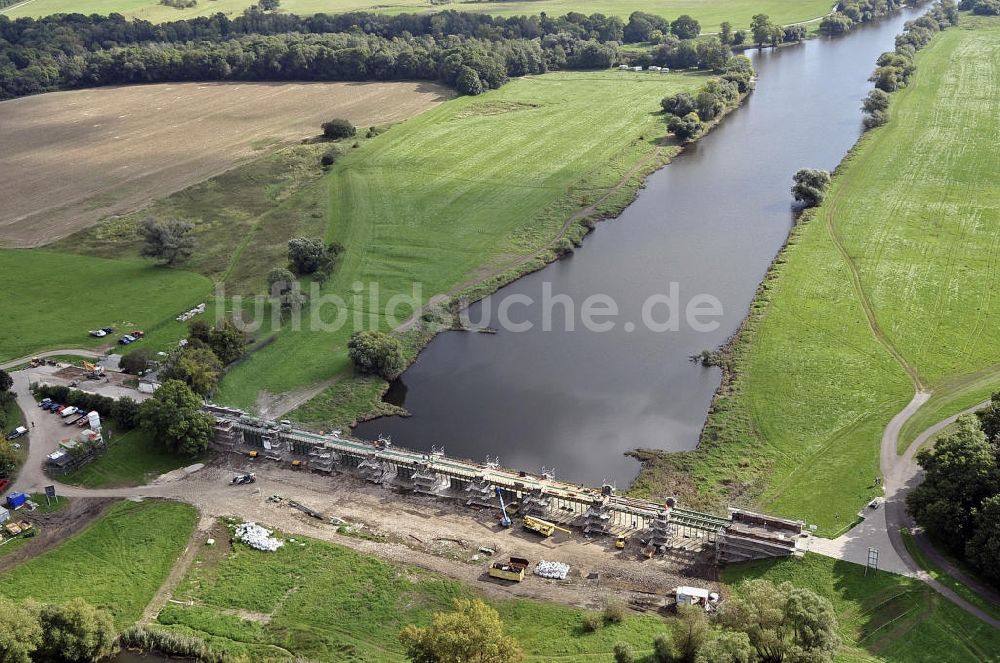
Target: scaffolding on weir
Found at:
739, 536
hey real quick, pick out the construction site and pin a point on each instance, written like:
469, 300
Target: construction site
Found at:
542, 505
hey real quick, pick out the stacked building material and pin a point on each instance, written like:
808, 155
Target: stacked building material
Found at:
553, 570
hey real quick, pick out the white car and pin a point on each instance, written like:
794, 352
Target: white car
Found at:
99, 333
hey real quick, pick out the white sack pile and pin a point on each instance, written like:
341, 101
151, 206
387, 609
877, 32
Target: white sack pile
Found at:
257, 537
554, 570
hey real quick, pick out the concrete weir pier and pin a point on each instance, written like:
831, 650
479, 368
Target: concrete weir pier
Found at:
740, 536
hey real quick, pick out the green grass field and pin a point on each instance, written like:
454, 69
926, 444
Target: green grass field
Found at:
118, 562
917, 210
132, 459
328, 603
885, 617
709, 12
434, 200
243, 219
51, 300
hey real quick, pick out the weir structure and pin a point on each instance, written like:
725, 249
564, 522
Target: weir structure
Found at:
739, 536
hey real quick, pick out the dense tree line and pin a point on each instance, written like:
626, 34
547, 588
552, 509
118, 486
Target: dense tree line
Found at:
981, 7
686, 113
470, 52
74, 632
851, 12
959, 501
894, 68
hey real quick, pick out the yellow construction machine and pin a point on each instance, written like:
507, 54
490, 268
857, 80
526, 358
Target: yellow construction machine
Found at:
543, 527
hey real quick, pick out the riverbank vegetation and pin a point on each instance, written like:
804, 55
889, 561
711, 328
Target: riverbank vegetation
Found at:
797, 424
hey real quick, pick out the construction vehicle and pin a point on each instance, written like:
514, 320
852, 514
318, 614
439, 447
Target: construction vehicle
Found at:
252, 454
504, 518
543, 527
511, 570
620, 541
243, 479
95, 372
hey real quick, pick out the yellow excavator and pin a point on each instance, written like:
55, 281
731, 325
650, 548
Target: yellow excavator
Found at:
543, 527
96, 372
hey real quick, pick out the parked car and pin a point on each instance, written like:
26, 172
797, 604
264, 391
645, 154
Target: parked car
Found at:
59, 408
4, 484
99, 333
44, 402
138, 333
126, 339
51, 407
17, 432
107, 330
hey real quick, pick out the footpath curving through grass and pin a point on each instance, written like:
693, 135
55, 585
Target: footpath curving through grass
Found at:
710, 13
883, 617
916, 211
475, 184
51, 300
324, 602
118, 562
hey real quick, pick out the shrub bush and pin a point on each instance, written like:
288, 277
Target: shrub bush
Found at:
338, 128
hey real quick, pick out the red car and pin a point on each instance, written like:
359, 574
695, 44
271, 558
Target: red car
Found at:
4, 484
137, 333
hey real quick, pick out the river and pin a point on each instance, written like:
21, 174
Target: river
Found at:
709, 223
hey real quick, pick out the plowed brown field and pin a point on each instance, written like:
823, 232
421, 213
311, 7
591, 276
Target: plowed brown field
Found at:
71, 158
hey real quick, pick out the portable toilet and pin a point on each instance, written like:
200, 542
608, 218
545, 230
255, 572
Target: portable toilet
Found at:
16, 500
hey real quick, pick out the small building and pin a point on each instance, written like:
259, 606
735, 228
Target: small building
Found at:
691, 596
4, 515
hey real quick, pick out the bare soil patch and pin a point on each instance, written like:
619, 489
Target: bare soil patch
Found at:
72, 158
54, 528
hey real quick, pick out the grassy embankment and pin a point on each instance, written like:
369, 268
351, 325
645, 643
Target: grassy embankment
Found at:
131, 460
885, 617
328, 603
118, 562
477, 184
438, 200
710, 14
944, 578
51, 299
913, 220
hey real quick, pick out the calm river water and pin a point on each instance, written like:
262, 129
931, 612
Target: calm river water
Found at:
710, 223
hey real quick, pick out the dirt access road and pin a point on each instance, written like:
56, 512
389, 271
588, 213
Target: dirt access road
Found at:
72, 158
